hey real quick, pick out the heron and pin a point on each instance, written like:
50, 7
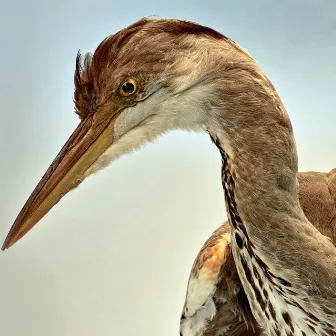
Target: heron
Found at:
158, 75
214, 279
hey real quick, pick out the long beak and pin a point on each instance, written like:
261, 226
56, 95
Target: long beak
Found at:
90, 139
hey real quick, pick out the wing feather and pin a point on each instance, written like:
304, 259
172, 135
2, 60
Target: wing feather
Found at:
206, 270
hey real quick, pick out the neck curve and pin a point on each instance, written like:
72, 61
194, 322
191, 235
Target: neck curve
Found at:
259, 175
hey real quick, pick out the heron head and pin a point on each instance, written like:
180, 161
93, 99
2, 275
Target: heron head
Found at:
136, 85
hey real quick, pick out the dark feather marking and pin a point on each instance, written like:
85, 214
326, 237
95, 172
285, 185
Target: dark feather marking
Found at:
290, 292
262, 264
255, 272
314, 318
265, 293
258, 295
250, 251
271, 310
283, 282
329, 325
311, 327
312, 322
288, 320
239, 240
328, 311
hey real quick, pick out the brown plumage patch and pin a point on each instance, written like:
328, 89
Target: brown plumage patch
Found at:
317, 193
329, 332
212, 255
213, 258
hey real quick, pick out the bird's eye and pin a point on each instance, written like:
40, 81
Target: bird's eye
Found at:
128, 88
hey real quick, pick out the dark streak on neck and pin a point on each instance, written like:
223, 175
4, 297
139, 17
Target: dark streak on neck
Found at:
282, 286
238, 225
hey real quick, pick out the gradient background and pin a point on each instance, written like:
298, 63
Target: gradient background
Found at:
113, 258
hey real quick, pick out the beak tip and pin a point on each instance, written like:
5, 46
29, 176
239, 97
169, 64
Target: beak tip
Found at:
90, 140
6, 244
9, 242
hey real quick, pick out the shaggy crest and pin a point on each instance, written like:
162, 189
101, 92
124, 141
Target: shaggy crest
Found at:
90, 70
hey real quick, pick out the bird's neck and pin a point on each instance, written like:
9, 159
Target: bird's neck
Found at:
272, 239
261, 196
259, 173
259, 177
274, 244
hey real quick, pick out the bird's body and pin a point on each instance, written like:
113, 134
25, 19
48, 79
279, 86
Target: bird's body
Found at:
159, 75
215, 300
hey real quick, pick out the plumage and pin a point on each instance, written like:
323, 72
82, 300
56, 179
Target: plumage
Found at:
231, 313
196, 79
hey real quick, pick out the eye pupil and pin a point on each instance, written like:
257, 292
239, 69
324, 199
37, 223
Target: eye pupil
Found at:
128, 87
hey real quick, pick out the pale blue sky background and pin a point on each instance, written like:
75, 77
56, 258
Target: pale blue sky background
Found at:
113, 258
